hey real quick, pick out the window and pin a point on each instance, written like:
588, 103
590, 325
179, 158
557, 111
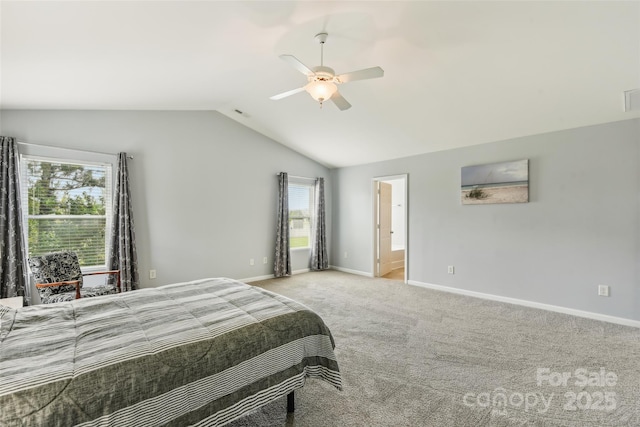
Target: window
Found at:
67, 206
301, 200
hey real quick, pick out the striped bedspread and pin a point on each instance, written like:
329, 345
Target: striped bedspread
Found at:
198, 353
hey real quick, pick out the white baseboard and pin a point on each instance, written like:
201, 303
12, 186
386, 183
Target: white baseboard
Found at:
348, 270
532, 304
256, 278
271, 276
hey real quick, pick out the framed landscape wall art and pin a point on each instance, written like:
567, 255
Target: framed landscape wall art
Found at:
506, 182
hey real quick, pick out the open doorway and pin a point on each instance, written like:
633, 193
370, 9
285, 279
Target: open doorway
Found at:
390, 199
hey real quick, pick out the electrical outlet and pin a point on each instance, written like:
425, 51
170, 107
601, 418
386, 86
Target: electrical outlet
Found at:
345, 254
251, 261
603, 290
450, 270
265, 260
152, 274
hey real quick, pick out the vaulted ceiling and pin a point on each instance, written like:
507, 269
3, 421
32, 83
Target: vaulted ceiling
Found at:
456, 73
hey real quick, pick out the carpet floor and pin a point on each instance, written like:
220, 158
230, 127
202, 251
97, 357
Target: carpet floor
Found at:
411, 356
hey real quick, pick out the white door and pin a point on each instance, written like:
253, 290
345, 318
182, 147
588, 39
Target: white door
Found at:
384, 229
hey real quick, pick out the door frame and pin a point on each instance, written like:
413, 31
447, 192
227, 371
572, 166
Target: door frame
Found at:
374, 198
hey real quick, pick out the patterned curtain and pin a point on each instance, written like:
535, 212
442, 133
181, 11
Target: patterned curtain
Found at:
13, 270
282, 264
319, 259
122, 253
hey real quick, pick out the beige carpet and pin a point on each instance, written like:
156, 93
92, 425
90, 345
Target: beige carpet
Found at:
416, 357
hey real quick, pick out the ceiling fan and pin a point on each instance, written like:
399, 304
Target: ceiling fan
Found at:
322, 81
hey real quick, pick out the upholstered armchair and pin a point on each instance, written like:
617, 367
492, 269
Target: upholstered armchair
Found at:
58, 278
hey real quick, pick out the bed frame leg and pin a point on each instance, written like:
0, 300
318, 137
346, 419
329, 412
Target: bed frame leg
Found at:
291, 404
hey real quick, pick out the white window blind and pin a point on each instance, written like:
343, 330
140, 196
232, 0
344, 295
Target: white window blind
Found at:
67, 206
301, 199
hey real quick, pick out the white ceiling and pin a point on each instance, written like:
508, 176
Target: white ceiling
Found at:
456, 73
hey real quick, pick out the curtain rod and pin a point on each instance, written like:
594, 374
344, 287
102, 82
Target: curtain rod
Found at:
72, 149
298, 177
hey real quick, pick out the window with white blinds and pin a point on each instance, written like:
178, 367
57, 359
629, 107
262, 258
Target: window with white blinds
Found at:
301, 199
67, 206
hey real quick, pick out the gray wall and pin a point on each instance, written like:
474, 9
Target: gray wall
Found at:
205, 190
581, 227
204, 187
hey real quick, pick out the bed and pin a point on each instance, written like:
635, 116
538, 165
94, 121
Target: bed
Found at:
200, 353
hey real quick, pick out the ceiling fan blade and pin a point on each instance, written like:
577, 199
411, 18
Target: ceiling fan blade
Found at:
287, 93
297, 64
340, 102
367, 73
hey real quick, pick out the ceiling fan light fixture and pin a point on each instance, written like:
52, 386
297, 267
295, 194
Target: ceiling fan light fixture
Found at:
321, 90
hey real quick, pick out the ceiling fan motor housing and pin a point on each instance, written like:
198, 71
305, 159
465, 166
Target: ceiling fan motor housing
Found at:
323, 74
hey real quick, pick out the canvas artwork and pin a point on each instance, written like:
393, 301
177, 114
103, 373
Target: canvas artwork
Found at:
506, 182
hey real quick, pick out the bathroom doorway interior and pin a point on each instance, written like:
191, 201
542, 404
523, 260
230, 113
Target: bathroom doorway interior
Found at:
390, 227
